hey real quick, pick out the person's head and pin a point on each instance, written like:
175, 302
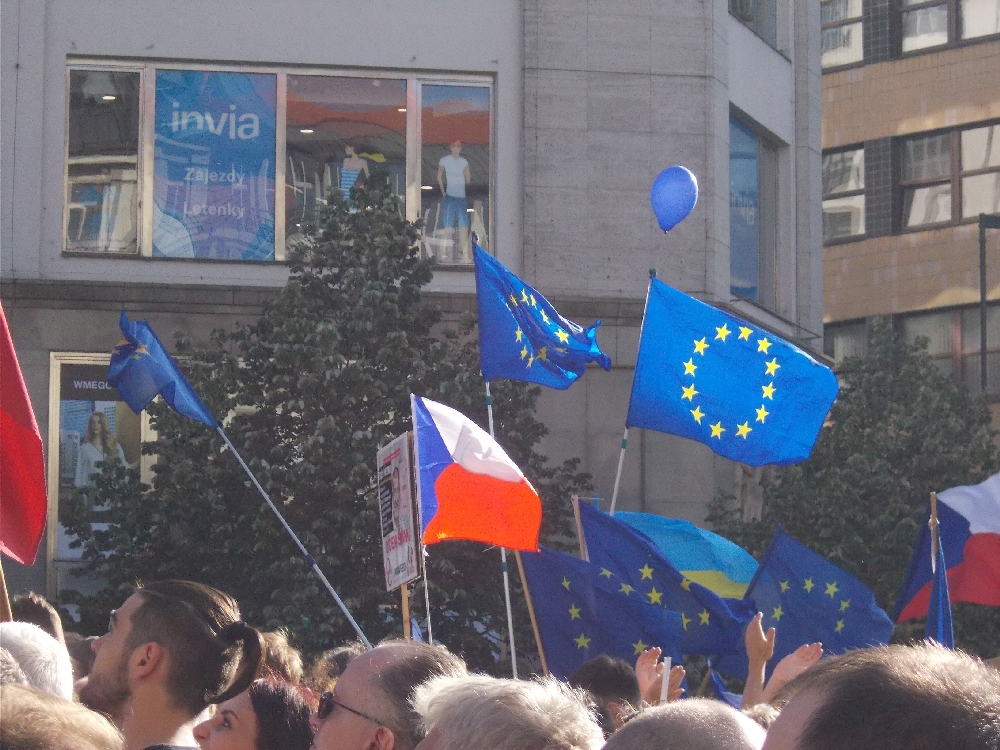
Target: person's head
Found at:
180, 641
456, 147
43, 659
613, 683
328, 666
922, 697
693, 724
370, 705
350, 150
269, 715
481, 711
31, 719
81, 653
10, 671
99, 431
281, 659
34, 609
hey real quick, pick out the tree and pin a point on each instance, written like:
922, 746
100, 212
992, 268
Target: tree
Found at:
900, 428
312, 389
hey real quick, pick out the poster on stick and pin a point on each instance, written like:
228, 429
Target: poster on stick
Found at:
400, 544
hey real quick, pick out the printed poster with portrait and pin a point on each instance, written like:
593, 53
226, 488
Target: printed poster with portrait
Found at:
400, 539
95, 425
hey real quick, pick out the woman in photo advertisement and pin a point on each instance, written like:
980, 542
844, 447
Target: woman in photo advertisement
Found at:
97, 445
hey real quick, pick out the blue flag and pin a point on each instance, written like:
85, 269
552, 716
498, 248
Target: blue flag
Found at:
807, 598
630, 563
579, 618
709, 376
939, 626
522, 337
722, 693
141, 369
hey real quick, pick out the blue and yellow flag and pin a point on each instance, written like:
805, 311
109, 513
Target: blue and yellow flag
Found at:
141, 370
630, 563
522, 337
709, 376
579, 618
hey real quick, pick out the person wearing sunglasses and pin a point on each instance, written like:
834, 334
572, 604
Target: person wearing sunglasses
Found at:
369, 707
269, 715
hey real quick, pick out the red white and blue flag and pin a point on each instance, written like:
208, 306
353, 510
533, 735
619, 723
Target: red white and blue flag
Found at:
469, 488
969, 528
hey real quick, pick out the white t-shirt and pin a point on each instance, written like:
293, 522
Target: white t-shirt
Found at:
454, 171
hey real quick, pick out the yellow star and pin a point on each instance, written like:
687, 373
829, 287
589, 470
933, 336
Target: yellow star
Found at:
772, 366
562, 335
524, 296
840, 626
745, 333
625, 589
690, 367
717, 430
768, 391
545, 318
844, 604
743, 430
778, 612
606, 573
784, 586
565, 583
763, 345
647, 572
531, 361
654, 596
762, 414
533, 300
543, 352
697, 413
582, 642
831, 589
808, 585
721, 333
685, 621
686, 584
703, 617
700, 347
689, 393
513, 298
518, 334
140, 351
524, 352
639, 647
574, 612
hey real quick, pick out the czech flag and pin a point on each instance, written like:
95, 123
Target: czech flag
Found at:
468, 486
969, 529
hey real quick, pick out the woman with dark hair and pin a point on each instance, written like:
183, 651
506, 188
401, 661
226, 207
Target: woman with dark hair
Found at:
269, 715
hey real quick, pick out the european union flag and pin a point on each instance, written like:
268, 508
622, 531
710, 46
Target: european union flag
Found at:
141, 369
807, 598
578, 618
631, 564
522, 337
939, 625
720, 691
709, 376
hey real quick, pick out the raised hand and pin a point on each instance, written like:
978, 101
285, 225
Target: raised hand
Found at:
792, 666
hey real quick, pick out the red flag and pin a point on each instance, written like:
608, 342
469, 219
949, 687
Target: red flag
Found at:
22, 468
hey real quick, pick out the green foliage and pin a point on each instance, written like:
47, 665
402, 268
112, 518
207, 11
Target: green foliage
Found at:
900, 428
312, 389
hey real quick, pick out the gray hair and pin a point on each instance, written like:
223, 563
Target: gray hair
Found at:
694, 724
481, 711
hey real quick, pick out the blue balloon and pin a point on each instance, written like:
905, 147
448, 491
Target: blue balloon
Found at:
673, 195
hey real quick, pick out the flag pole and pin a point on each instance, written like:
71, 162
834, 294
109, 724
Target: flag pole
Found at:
531, 613
932, 524
5, 613
503, 557
405, 593
584, 555
618, 475
310, 561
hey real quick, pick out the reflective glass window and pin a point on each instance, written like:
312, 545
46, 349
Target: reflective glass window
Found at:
843, 194
979, 18
752, 196
841, 32
759, 15
924, 26
980, 148
926, 178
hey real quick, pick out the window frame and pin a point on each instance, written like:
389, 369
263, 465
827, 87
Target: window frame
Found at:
847, 194
146, 152
824, 27
954, 37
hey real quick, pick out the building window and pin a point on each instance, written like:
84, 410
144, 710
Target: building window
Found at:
932, 23
842, 29
845, 340
752, 197
761, 16
184, 162
843, 194
949, 177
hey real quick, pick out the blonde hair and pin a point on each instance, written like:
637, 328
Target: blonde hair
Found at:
33, 720
107, 444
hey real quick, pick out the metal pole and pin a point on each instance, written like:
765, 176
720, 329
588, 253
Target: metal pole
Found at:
982, 303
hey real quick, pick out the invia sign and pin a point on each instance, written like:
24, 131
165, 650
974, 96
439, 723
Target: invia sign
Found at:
213, 184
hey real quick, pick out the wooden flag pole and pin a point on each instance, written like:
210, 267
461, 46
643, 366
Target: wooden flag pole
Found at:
5, 613
932, 523
584, 555
618, 475
531, 612
405, 593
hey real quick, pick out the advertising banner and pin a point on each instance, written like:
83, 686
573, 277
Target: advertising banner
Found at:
213, 184
400, 543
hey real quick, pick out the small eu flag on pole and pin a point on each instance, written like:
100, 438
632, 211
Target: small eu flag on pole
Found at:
522, 337
141, 370
706, 375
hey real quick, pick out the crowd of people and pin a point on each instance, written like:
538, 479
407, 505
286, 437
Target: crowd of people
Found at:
178, 668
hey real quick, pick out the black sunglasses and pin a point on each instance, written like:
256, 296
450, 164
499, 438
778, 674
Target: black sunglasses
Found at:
327, 702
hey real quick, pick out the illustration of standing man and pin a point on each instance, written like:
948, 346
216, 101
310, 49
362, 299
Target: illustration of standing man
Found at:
454, 212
